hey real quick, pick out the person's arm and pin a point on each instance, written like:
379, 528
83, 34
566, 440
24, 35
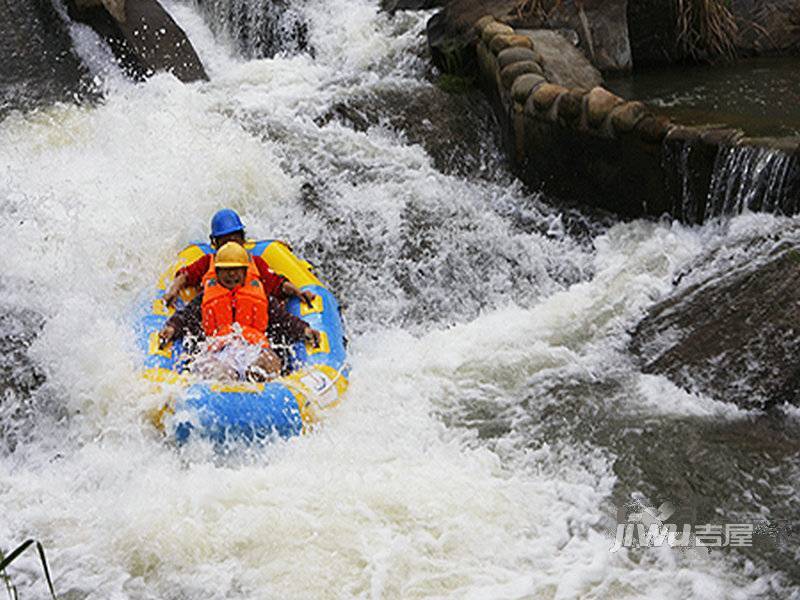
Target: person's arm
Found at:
186, 319
289, 289
188, 276
288, 328
279, 287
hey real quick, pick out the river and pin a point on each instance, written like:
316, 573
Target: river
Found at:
495, 423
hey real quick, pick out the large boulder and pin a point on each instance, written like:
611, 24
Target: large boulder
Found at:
601, 26
457, 129
563, 63
37, 62
147, 40
734, 337
395, 5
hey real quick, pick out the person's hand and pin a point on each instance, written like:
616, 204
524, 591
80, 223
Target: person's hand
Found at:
312, 336
165, 336
307, 297
170, 296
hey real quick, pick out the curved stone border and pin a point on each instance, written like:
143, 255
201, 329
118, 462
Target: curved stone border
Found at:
591, 146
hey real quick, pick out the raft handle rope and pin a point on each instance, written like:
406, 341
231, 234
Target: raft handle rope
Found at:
334, 379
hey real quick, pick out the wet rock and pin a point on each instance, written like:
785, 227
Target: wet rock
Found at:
570, 106
626, 116
503, 41
653, 129
392, 6
457, 130
562, 62
734, 337
20, 376
790, 146
512, 71
38, 63
599, 104
495, 28
524, 85
512, 55
599, 28
546, 94
481, 23
147, 41
721, 136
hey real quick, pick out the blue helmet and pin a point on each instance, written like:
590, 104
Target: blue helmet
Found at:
225, 221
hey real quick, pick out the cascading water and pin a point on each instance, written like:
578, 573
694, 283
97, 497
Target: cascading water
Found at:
753, 178
258, 28
493, 418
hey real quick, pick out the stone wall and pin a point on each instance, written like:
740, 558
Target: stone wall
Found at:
577, 141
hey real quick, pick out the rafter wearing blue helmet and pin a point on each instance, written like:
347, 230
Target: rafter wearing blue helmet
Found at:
226, 226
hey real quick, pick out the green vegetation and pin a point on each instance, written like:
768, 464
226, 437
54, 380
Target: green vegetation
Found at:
5, 561
455, 84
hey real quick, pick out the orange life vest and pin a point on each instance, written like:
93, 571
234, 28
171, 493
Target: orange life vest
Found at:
246, 305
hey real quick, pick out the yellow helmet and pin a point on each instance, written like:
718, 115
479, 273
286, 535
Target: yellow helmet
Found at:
230, 256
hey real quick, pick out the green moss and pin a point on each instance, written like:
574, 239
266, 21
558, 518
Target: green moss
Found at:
794, 256
455, 84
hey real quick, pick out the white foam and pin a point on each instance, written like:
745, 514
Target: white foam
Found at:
385, 500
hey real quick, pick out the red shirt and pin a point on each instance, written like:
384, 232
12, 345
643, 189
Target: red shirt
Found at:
271, 281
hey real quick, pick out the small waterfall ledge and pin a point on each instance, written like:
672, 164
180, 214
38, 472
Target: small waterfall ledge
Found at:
577, 141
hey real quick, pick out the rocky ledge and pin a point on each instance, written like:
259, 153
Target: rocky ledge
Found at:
734, 337
574, 139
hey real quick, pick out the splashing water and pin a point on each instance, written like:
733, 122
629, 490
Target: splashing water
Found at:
258, 28
474, 321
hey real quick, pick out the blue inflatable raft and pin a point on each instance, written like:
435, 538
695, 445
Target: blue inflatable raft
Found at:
242, 411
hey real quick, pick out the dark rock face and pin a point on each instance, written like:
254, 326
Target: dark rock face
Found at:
652, 31
734, 338
20, 377
147, 41
457, 130
395, 5
37, 63
602, 29
562, 62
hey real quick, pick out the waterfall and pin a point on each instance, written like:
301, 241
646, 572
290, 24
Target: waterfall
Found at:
755, 179
258, 28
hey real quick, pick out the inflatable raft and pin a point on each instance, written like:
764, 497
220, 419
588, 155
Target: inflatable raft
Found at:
242, 411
